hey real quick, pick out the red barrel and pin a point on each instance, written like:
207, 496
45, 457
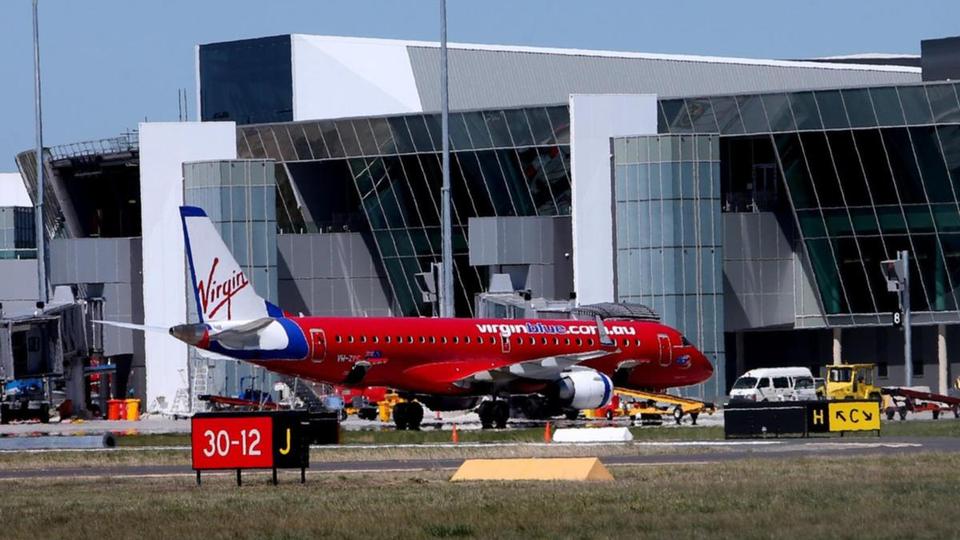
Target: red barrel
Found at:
113, 409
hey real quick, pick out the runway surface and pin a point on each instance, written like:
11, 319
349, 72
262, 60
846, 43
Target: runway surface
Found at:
704, 453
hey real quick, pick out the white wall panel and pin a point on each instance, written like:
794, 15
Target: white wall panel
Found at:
594, 118
13, 192
335, 77
164, 148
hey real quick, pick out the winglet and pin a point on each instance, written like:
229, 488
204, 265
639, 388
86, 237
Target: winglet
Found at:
605, 340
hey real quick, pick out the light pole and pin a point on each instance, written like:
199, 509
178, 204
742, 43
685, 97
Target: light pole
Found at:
38, 210
446, 279
897, 273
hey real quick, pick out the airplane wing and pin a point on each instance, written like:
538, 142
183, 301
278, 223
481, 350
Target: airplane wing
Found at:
466, 373
545, 369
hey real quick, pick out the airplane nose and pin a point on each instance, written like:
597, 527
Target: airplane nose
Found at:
191, 334
705, 366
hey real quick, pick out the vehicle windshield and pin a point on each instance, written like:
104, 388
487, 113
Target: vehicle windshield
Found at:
841, 375
745, 383
803, 383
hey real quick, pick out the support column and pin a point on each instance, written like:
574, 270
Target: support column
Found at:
943, 384
837, 351
740, 367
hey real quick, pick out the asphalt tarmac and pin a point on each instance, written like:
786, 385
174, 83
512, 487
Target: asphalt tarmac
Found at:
705, 453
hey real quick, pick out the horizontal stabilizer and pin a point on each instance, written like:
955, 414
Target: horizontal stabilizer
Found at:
242, 330
131, 326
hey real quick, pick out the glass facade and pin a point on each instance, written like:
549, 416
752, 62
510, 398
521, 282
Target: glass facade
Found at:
868, 172
668, 239
382, 177
248, 81
18, 239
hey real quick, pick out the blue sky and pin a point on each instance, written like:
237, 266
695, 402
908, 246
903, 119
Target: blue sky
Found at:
108, 64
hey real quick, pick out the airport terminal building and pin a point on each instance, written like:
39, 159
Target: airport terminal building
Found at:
747, 202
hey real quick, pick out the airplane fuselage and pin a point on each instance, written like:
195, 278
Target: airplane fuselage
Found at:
433, 356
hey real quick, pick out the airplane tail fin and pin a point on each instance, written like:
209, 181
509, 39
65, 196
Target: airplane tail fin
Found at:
221, 289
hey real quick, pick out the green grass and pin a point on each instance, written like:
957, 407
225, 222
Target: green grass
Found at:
910, 496
391, 436
945, 427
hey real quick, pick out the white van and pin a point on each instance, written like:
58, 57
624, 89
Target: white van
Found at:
775, 384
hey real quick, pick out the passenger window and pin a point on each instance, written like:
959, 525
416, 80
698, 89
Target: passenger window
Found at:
519, 341
764, 383
376, 339
350, 339
533, 341
433, 339
493, 340
590, 342
423, 339
556, 341
579, 342
455, 340
443, 340
543, 340
638, 343
466, 339
387, 339
363, 339
781, 382
567, 341
409, 339
339, 339
626, 342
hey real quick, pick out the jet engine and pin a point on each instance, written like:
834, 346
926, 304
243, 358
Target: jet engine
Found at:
584, 389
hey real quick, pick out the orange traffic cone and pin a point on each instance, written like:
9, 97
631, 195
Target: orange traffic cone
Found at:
456, 436
547, 436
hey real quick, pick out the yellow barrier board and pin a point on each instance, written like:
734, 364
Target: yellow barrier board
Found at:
857, 416
532, 469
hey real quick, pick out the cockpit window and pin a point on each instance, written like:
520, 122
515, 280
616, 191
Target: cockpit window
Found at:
685, 341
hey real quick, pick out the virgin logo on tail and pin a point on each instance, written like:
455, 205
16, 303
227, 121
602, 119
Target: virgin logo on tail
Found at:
214, 295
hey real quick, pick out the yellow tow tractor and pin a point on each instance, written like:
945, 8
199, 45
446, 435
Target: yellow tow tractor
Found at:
850, 381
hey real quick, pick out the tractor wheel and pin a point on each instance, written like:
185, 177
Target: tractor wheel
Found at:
956, 411
678, 414
903, 413
936, 414
890, 413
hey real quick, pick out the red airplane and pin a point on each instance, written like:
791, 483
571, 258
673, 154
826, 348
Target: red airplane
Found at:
553, 366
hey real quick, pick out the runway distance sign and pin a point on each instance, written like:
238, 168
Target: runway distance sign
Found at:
249, 440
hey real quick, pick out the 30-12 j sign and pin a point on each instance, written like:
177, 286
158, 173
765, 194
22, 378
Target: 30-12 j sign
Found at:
267, 440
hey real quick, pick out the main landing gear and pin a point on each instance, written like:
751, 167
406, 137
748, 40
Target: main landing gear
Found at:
408, 415
494, 413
